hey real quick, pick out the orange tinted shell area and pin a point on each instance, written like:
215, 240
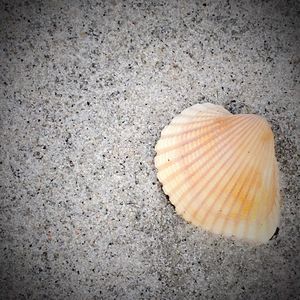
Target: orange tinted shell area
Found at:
220, 171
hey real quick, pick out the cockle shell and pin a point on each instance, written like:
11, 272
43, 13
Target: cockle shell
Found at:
220, 171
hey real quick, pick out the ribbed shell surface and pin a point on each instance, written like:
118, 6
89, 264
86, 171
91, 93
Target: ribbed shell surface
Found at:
220, 171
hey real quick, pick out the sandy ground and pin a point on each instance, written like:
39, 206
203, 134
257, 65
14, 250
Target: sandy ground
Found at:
86, 88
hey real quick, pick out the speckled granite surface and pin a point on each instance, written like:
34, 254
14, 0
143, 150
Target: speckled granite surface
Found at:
86, 88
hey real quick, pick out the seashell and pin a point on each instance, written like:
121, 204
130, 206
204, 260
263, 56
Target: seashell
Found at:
220, 171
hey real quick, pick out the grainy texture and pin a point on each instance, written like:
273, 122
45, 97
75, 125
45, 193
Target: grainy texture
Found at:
86, 88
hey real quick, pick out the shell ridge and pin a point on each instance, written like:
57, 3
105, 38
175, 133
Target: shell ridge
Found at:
211, 161
234, 121
179, 133
268, 225
175, 137
211, 120
268, 160
242, 205
201, 135
274, 178
252, 177
242, 140
224, 145
168, 163
261, 214
244, 166
265, 214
